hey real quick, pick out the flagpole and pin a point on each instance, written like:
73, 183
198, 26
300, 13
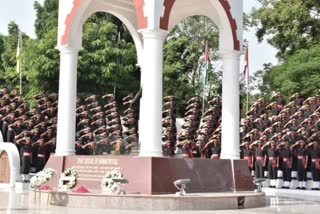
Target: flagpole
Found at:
19, 59
20, 79
247, 78
205, 75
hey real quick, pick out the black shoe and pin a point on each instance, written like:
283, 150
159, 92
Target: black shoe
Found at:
25, 181
287, 187
270, 186
303, 188
283, 187
298, 188
314, 188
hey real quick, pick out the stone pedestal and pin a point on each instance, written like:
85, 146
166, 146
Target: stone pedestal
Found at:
155, 175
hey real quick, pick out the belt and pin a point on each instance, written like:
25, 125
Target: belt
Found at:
41, 155
26, 154
272, 158
301, 157
185, 155
259, 158
315, 159
247, 157
286, 159
214, 156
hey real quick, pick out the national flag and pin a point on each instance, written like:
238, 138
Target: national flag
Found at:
246, 63
19, 49
206, 61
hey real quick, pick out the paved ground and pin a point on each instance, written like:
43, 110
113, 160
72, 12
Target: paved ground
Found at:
11, 203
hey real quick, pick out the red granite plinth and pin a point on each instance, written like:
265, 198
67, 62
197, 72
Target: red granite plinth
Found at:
153, 175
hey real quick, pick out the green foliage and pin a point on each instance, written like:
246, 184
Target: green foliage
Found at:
184, 59
2, 49
289, 25
8, 75
107, 61
300, 73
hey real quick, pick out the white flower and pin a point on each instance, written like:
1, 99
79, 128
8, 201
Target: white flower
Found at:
41, 177
68, 179
108, 186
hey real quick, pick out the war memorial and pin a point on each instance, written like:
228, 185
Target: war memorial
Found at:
146, 179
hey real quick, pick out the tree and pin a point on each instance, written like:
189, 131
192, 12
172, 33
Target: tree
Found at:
184, 59
289, 25
9, 76
106, 62
2, 49
300, 73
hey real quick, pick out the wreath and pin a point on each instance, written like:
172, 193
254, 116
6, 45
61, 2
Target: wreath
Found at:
68, 179
41, 177
109, 186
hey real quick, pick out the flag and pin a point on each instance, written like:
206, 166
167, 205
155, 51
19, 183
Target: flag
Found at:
19, 49
206, 61
246, 63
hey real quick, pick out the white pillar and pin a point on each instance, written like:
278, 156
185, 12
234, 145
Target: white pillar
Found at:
150, 128
230, 134
67, 101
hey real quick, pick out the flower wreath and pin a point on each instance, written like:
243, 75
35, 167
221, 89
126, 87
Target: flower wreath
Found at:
68, 179
108, 186
41, 177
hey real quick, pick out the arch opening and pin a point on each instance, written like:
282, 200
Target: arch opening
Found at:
108, 58
184, 60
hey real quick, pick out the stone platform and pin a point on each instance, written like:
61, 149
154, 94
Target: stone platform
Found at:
192, 201
310, 195
155, 175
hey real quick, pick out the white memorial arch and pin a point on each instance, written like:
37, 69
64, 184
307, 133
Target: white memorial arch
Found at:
149, 22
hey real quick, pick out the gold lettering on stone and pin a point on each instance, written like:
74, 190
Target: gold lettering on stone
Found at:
93, 169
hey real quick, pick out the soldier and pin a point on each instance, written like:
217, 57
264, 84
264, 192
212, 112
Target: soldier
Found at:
260, 160
247, 154
314, 154
35, 134
277, 127
51, 147
292, 125
14, 130
286, 154
168, 148
266, 122
301, 152
273, 163
297, 99
26, 157
279, 99
268, 132
41, 151
214, 149
186, 148
299, 117
314, 137
307, 123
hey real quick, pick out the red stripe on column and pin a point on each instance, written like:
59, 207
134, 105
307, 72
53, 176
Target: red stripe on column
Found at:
164, 21
142, 20
233, 24
68, 22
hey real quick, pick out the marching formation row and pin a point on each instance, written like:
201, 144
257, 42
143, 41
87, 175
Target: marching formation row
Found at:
283, 139
275, 137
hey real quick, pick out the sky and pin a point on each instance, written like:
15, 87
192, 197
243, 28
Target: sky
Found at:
22, 12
